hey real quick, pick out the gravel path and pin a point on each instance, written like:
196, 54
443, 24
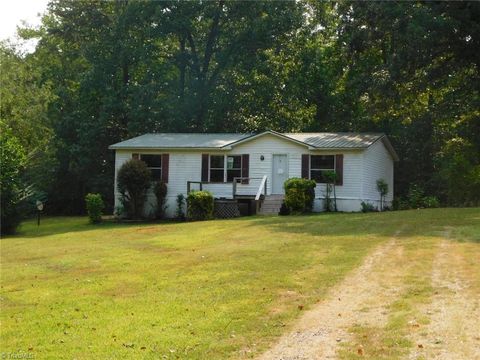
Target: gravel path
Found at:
363, 297
359, 299
454, 329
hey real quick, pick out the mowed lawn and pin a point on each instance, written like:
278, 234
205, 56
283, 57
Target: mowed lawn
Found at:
216, 289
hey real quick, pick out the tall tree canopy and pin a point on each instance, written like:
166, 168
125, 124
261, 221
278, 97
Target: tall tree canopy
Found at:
106, 71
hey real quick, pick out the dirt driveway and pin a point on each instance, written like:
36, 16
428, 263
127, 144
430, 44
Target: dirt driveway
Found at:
402, 302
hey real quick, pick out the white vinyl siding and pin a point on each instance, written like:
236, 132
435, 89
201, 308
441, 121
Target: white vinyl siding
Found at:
378, 164
361, 168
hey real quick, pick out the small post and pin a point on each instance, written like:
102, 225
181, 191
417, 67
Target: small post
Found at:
39, 210
234, 187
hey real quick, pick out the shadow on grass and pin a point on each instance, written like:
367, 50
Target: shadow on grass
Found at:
424, 222
71, 224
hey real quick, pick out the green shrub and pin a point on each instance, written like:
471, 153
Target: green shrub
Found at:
415, 197
160, 191
430, 202
200, 205
95, 206
180, 204
295, 200
299, 194
133, 181
367, 207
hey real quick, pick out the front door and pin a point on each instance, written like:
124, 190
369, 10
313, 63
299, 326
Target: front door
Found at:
280, 173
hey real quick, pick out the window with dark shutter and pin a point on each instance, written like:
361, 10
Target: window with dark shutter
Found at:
224, 168
234, 167
217, 168
319, 164
154, 164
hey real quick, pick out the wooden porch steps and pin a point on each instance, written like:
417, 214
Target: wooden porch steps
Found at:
271, 205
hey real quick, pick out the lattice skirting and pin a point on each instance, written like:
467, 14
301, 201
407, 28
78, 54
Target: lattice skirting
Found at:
226, 209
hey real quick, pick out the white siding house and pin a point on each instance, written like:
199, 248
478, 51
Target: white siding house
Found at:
214, 159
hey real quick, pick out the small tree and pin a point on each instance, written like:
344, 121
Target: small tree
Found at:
95, 206
160, 190
133, 181
180, 205
382, 188
330, 180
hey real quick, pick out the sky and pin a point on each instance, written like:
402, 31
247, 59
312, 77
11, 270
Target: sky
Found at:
12, 12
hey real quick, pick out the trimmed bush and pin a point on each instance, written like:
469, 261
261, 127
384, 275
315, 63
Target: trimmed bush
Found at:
295, 200
299, 194
133, 181
95, 206
200, 205
160, 191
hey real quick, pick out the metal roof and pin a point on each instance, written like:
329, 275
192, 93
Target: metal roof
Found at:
336, 140
179, 140
227, 140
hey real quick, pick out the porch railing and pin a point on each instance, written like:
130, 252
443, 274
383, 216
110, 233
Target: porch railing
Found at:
261, 188
189, 185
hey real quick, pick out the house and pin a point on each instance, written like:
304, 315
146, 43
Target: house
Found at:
253, 167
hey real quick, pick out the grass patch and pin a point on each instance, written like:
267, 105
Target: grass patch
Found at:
217, 289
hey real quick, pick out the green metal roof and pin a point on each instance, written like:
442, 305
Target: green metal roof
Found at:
225, 140
179, 140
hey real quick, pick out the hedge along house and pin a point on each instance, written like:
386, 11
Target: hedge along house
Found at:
253, 167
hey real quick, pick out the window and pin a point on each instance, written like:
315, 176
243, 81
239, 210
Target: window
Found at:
234, 167
217, 168
225, 168
154, 164
319, 164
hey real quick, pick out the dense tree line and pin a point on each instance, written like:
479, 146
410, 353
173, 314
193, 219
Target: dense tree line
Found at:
106, 71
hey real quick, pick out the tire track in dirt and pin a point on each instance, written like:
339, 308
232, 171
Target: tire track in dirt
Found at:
361, 298
454, 329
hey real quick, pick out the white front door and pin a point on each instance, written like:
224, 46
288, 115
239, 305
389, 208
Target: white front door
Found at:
280, 173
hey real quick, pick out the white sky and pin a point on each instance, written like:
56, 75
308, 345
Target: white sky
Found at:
12, 12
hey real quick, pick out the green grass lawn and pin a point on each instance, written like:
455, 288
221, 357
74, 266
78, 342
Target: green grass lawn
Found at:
216, 289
